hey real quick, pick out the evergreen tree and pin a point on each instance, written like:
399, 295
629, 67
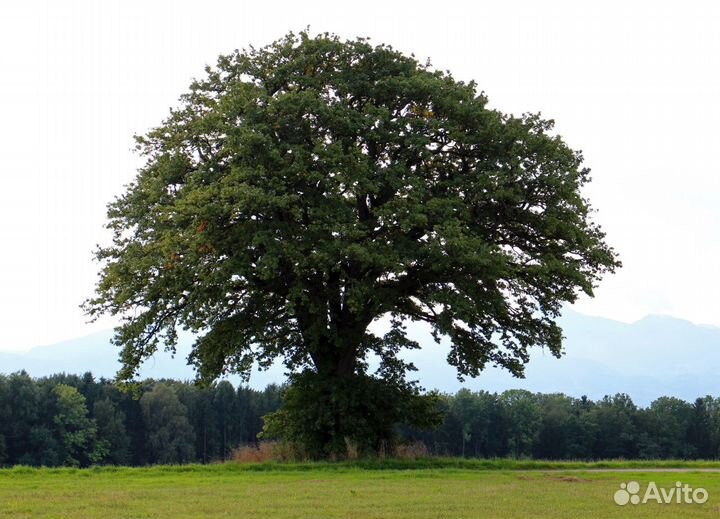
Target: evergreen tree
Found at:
170, 438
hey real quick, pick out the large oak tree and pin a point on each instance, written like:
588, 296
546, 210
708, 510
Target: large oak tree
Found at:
305, 189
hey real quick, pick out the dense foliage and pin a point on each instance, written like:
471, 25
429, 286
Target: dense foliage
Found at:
307, 188
78, 421
371, 410
521, 424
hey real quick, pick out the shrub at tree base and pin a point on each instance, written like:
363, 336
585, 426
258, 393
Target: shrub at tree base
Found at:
350, 416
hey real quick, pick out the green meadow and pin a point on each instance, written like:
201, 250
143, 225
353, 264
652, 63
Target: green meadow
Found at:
390, 489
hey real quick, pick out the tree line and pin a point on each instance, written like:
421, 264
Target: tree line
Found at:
521, 424
70, 420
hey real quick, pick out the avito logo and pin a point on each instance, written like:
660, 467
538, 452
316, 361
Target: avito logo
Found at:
680, 493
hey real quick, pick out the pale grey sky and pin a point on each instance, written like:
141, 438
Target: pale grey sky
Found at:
635, 85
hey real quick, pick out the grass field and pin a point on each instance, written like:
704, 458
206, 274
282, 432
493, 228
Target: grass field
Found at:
423, 489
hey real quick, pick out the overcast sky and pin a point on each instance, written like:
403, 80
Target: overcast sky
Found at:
635, 85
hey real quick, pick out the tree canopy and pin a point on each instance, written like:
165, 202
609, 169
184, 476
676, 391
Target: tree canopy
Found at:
308, 188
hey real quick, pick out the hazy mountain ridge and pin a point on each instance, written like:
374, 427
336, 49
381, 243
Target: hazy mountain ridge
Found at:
652, 357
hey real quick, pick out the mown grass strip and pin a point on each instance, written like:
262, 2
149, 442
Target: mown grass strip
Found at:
377, 464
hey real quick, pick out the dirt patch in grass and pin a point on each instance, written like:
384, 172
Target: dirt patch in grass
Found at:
567, 479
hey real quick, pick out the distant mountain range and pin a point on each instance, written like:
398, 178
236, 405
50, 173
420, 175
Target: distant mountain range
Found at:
96, 354
652, 357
